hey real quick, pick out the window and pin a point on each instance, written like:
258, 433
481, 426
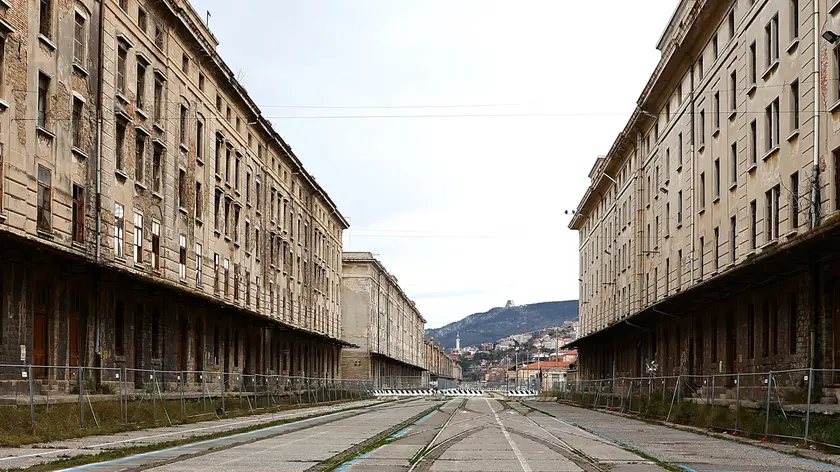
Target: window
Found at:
731, 23
702, 254
679, 151
717, 178
837, 72
182, 188
236, 224
701, 131
158, 99
257, 243
45, 19
794, 105
122, 57
226, 275
197, 265
78, 213
159, 36
142, 20
227, 218
667, 219
717, 247
79, 40
732, 235
716, 111
155, 245
123, 5
201, 81
183, 122
218, 103
794, 200
44, 199
667, 276
753, 224
157, 163
139, 154
772, 212
76, 122
141, 85
228, 150
667, 165
771, 41
182, 257
43, 98
794, 20
679, 269
247, 235
119, 227
733, 163
138, 238
236, 174
236, 282
217, 204
772, 119
248, 188
793, 309
216, 273
120, 144
199, 139
219, 144
119, 328
733, 91
715, 46
753, 67
227, 113
259, 194
700, 68
199, 206
185, 63
751, 331
702, 191
247, 288
753, 142
679, 208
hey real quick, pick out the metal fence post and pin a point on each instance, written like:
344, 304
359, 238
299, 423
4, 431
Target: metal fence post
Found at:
808, 408
737, 398
222, 389
767, 417
154, 399
31, 395
80, 379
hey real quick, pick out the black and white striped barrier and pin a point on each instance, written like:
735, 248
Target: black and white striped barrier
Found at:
423, 392
523, 393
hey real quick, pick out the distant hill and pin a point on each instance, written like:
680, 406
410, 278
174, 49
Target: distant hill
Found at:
500, 322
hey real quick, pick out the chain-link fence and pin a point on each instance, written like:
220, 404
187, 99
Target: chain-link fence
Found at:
795, 405
43, 403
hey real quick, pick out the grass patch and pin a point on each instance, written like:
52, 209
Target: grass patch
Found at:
61, 421
133, 450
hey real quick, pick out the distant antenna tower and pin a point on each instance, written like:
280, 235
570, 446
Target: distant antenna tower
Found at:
509, 304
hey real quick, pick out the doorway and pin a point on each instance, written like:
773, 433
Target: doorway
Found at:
138, 347
41, 333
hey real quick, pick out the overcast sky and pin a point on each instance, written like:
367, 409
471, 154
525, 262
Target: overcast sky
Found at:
467, 211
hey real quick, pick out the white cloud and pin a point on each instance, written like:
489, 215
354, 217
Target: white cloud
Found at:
467, 212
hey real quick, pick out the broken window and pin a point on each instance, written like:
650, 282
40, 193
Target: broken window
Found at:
138, 238
155, 245
78, 213
198, 265
182, 257
119, 227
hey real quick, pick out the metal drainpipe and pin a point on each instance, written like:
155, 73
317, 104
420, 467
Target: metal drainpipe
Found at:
98, 164
693, 172
815, 178
815, 186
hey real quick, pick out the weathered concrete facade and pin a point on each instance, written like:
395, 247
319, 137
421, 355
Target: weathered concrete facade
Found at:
382, 321
139, 179
705, 234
